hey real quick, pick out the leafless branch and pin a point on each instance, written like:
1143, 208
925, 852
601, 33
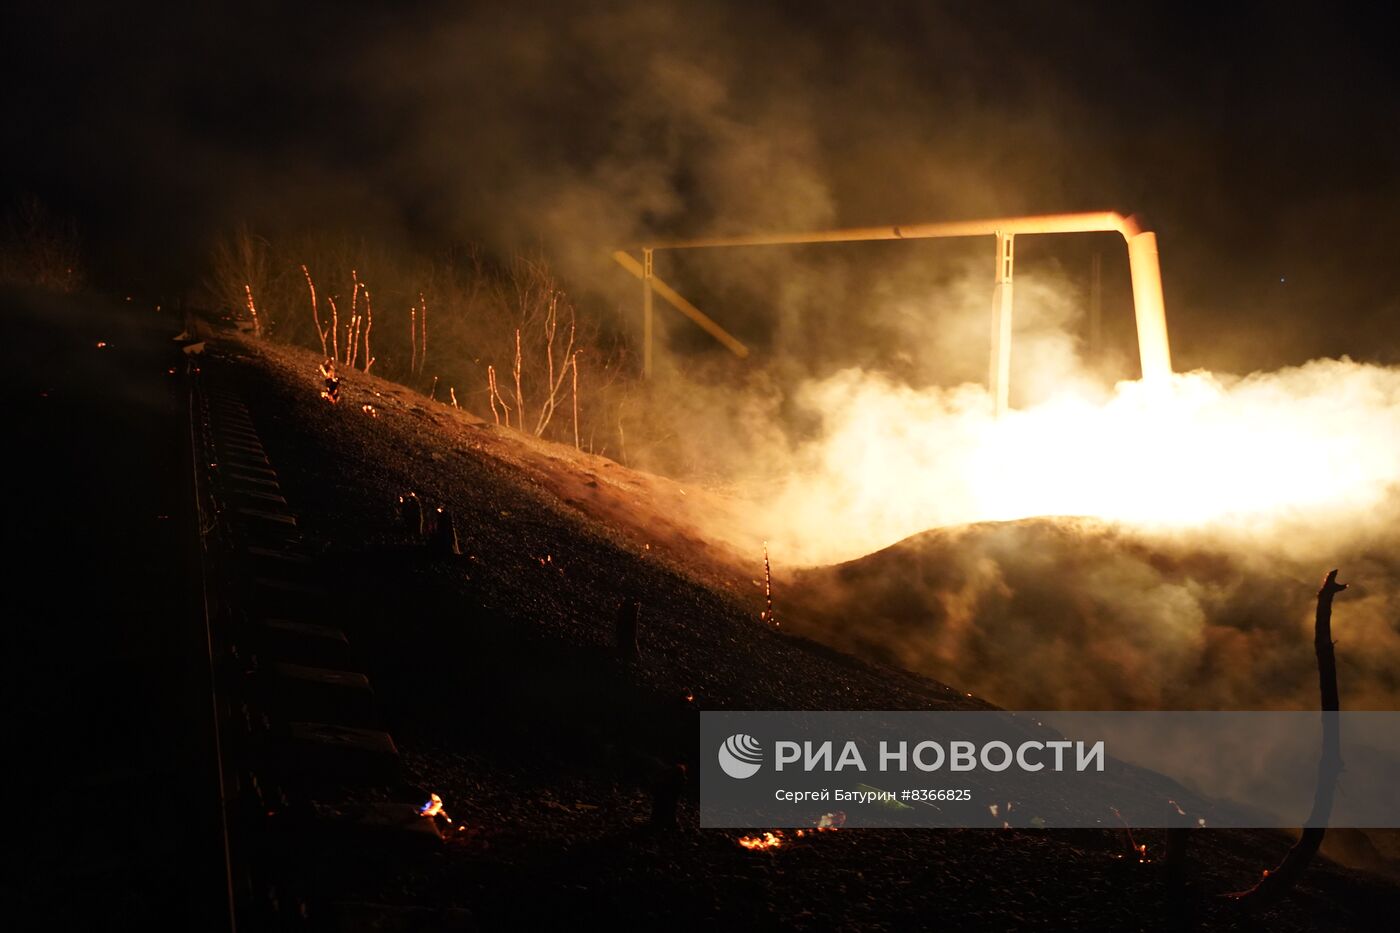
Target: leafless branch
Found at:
1275, 884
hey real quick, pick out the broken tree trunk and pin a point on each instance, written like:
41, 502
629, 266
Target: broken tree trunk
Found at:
1275, 884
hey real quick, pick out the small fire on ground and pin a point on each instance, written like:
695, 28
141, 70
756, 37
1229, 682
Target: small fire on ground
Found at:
774, 839
434, 808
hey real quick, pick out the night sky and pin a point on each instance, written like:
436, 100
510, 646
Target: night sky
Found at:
1261, 141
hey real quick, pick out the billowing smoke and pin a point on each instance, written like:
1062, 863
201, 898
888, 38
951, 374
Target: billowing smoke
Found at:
1312, 447
1100, 546
1084, 614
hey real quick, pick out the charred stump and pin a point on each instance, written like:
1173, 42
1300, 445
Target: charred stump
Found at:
411, 513
629, 615
1176, 856
666, 796
1275, 884
442, 541
1182, 906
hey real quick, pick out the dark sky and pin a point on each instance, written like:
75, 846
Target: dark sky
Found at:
1261, 140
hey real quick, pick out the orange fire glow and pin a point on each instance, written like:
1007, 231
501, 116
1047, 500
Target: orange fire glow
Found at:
768, 840
774, 839
433, 808
1267, 452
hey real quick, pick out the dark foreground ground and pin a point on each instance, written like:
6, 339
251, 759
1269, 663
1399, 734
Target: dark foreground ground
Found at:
493, 673
113, 820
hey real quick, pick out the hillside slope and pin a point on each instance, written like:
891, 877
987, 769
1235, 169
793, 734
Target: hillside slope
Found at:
495, 673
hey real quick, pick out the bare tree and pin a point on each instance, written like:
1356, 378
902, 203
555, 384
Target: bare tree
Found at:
543, 350
253, 310
242, 269
37, 248
315, 313
369, 326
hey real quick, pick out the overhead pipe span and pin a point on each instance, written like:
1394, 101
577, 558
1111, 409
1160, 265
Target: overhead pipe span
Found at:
1149, 305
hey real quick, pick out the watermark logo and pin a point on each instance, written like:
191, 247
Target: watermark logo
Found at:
740, 756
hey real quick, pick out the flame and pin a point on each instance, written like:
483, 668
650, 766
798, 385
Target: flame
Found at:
1138, 849
768, 840
773, 839
433, 808
1318, 440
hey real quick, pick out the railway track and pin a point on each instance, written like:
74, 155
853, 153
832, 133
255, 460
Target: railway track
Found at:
306, 767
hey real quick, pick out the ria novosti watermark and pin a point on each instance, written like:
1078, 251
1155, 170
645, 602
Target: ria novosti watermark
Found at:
741, 756
1040, 769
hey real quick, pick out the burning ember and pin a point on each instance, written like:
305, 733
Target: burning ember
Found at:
774, 839
331, 391
1138, 850
767, 614
433, 808
769, 840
